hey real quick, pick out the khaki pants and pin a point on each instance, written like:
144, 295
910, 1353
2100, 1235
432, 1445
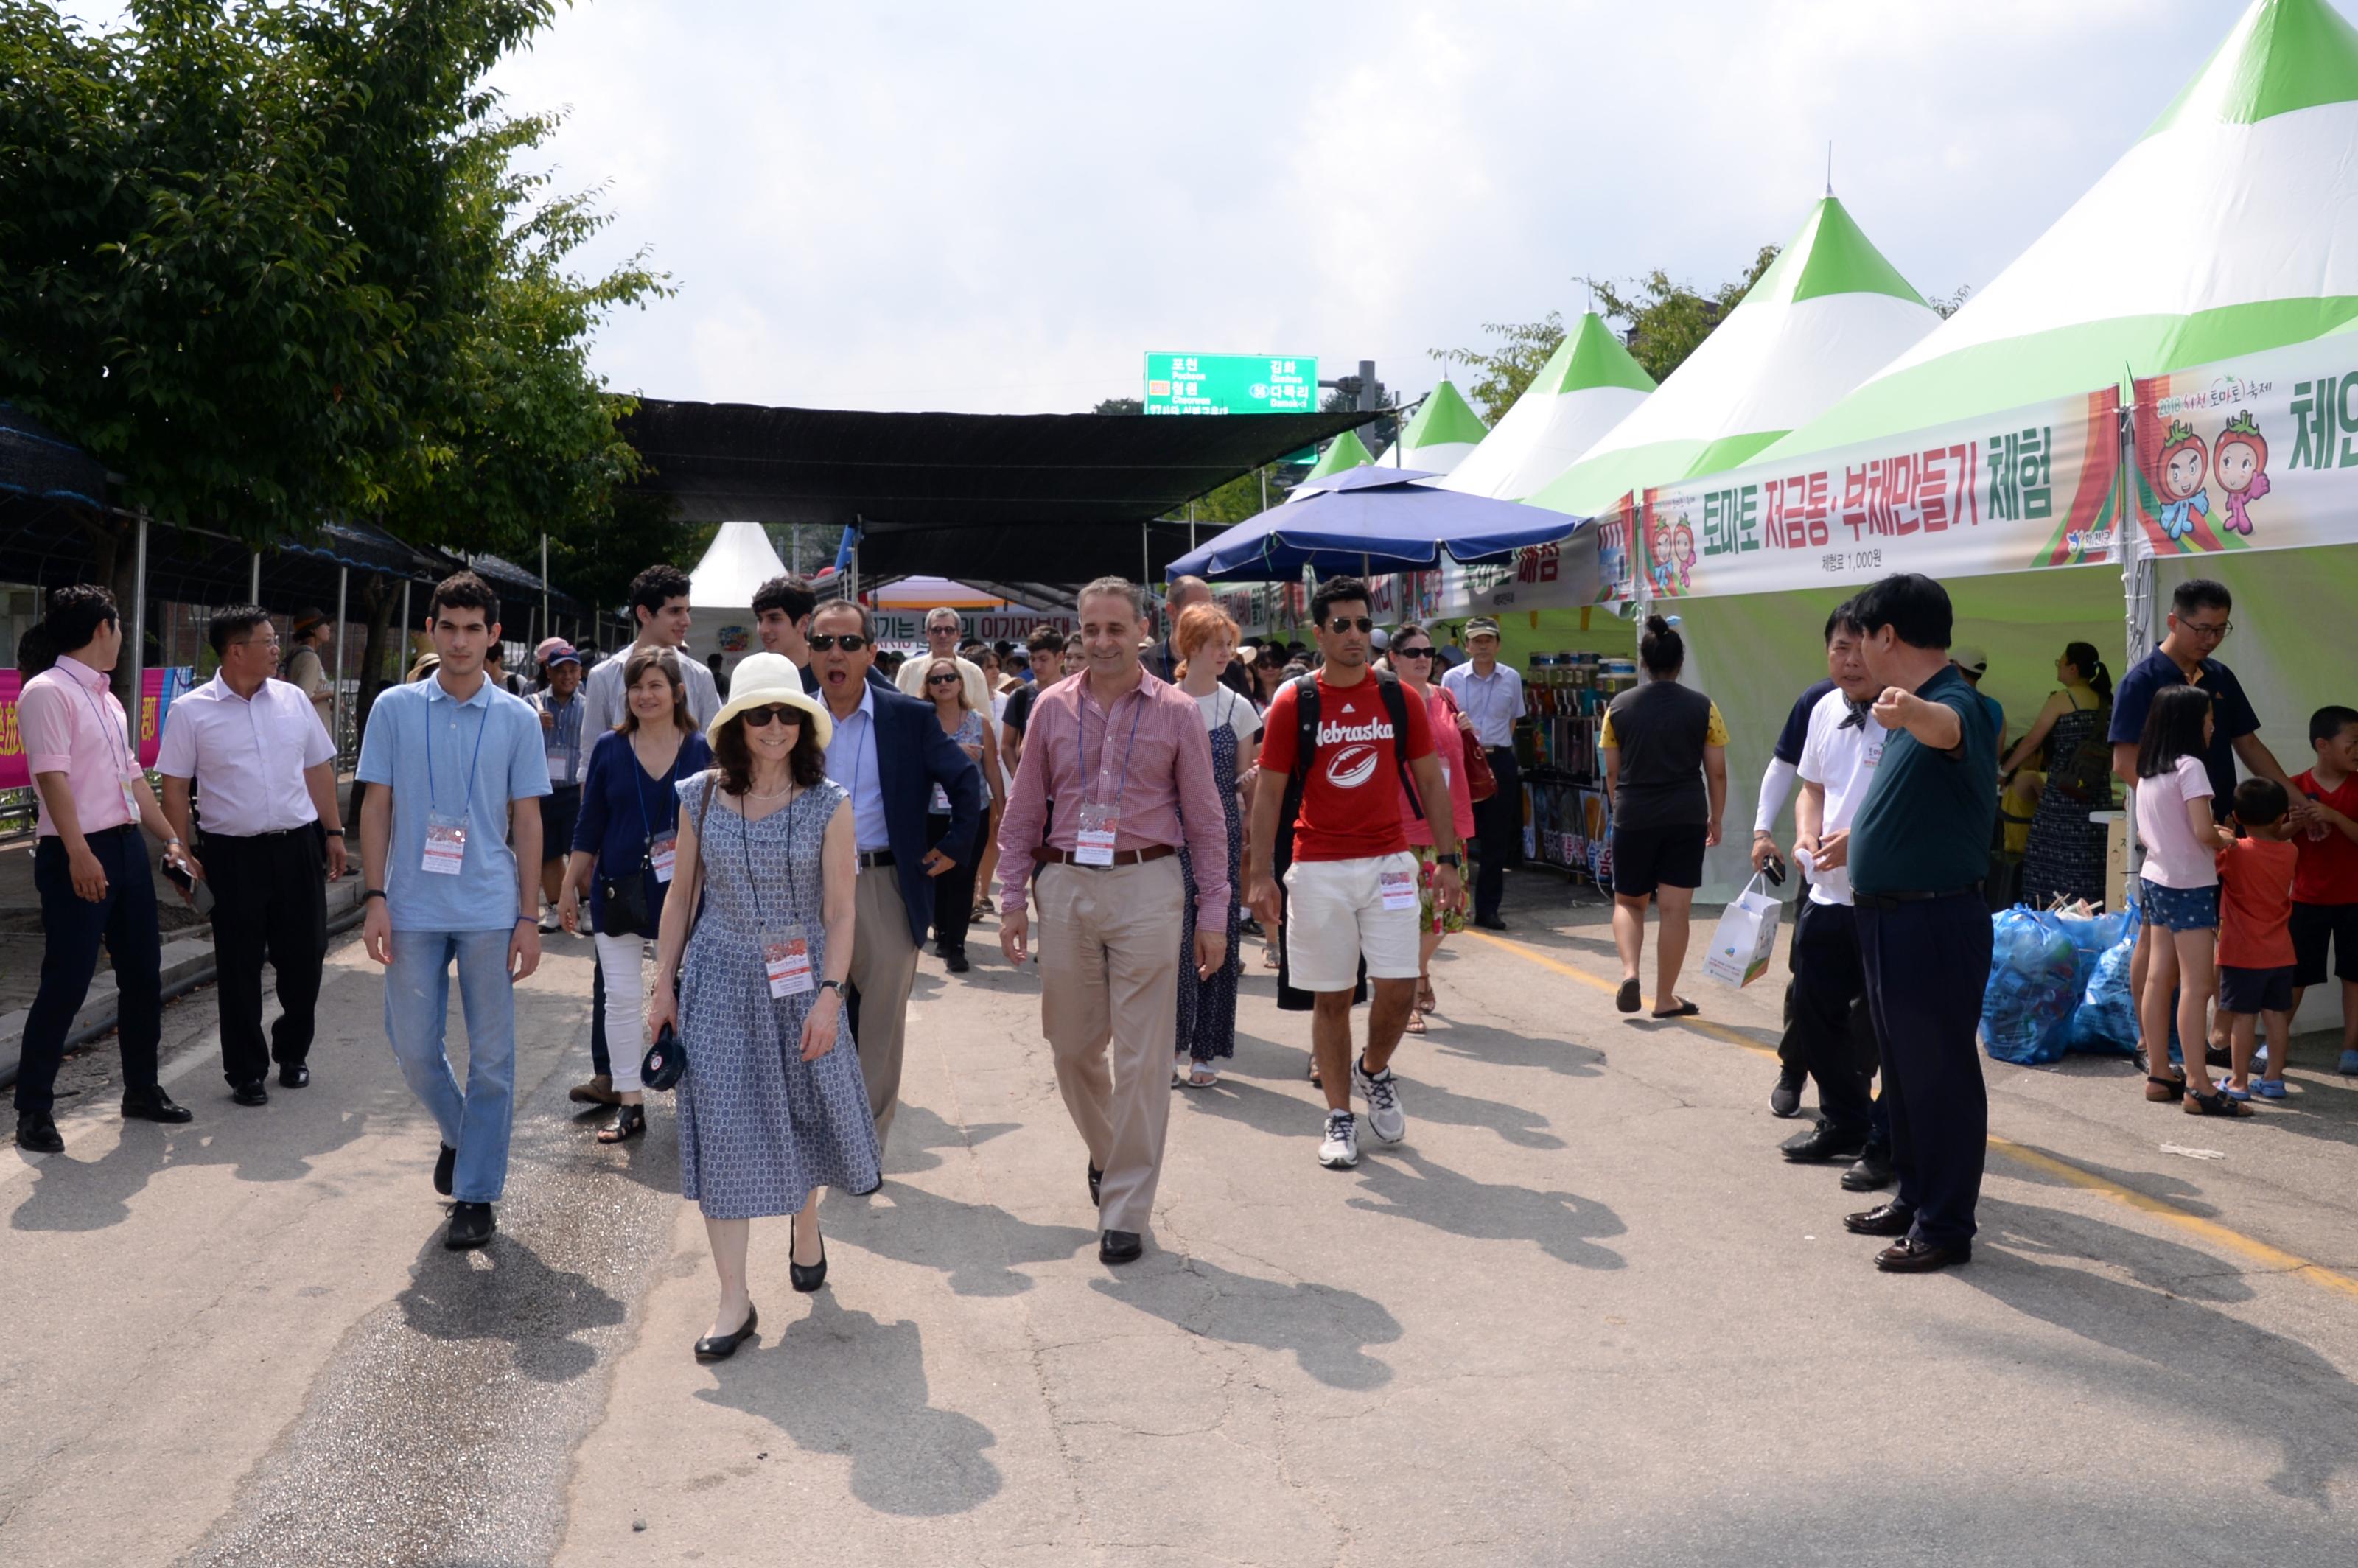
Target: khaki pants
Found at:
1109, 973
883, 967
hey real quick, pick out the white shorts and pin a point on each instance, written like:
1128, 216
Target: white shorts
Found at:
1334, 913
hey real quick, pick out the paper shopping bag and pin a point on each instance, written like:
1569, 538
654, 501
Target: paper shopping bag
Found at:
1745, 937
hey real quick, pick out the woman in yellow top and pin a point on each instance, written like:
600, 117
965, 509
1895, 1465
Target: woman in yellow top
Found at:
1666, 775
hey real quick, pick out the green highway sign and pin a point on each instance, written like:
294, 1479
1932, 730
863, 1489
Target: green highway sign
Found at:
1230, 384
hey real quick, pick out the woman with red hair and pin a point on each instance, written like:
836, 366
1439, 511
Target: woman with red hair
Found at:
1206, 641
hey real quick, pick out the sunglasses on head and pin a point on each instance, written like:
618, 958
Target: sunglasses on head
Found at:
777, 712
850, 641
1342, 623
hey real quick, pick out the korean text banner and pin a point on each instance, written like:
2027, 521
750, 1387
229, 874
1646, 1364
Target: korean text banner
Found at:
2034, 486
2256, 453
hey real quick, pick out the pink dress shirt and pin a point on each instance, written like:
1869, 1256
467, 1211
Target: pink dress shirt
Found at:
70, 723
1167, 798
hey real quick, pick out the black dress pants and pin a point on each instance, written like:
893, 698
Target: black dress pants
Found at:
1927, 965
270, 903
1832, 1020
72, 928
954, 889
1498, 829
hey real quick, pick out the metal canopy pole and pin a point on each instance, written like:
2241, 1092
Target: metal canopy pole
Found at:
545, 627
254, 587
343, 581
1145, 554
137, 706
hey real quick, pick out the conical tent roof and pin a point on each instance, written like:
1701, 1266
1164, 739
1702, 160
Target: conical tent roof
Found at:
1443, 431
1345, 451
1828, 313
740, 560
1588, 385
2230, 228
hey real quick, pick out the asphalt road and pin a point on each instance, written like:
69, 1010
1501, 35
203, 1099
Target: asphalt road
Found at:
1583, 1314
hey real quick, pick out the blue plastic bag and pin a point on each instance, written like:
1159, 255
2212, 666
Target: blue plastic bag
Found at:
2106, 1022
2026, 1006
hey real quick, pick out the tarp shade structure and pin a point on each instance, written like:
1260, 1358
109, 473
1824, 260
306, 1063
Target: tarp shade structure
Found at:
1344, 453
1061, 497
1588, 385
2226, 230
1376, 518
1442, 434
1829, 312
740, 560
37, 465
937, 592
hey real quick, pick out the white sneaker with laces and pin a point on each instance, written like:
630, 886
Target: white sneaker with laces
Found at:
1381, 1092
1341, 1150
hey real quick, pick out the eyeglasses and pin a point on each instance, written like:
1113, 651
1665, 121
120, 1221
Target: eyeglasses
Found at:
2209, 634
1342, 623
776, 713
1425, 653
269, 642
952, 678
850, 641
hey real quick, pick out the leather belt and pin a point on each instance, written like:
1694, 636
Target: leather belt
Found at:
207, 837
1914, 895
869, 859
1048, 854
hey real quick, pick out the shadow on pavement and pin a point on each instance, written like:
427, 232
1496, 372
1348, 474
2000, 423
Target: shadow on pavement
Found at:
918, 1133
1564, 1226
92, 1194
1240, 1098
841, 1382
978, 1246
1325, 1330
505, 1292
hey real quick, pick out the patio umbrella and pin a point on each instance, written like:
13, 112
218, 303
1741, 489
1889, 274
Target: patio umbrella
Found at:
1361, 518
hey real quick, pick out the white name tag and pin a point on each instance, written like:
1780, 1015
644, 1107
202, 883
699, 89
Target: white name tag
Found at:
1399, 889
663, 853
1094, 829
130, 800
558, 770
788, 961
445, 846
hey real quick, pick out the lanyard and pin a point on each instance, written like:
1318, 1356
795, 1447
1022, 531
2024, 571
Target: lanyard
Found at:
1080, 749
568, 718
99, 713
433, 799
853, 742
745, 848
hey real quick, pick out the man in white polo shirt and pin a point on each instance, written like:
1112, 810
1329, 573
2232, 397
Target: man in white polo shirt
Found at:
268, 842
1830, 1017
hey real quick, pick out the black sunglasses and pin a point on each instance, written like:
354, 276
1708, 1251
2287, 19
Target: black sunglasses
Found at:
953, 678
762, 717
1423, 653
850, 641
1342, 623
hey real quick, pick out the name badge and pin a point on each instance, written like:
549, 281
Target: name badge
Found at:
559, 771
1399, 889
446, 845
788, 961
663, 853
130, 800
1094, 833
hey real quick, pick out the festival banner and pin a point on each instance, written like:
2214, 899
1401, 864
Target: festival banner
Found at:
904, 630
2034, 486
2247, 454
156, 688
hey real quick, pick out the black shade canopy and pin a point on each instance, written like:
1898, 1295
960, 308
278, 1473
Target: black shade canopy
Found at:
1038, 497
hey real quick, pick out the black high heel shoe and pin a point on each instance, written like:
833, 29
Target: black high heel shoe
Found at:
721, 1346
810, 1279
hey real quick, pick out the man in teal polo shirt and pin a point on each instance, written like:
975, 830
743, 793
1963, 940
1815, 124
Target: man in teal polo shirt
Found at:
451, 843
1918, 849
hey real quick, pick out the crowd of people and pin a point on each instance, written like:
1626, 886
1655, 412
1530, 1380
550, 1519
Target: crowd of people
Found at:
785, 837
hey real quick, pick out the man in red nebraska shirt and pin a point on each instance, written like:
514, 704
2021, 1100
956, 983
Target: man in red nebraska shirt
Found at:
1125, 760
1352, 889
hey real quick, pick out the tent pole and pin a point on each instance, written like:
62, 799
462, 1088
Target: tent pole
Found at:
1264, 487
137, 706
254, 582
401, 648
544, 584
1145, 554
343, 581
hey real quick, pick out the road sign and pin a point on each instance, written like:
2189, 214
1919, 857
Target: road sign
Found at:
1230, 384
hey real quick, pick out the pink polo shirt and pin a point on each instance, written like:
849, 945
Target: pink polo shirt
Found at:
69, 722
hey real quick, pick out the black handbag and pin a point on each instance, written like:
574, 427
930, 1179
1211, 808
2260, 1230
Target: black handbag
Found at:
666, 1060
623, 905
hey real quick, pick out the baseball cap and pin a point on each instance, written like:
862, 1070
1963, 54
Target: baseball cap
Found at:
1481, 626
558, 651
1968, 657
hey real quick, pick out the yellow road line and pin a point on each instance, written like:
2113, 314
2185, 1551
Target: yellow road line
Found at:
2248, 1248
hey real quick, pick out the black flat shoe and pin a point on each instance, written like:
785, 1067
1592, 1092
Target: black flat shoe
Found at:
471, 1225
1120, 1247
807, 1279
955, 961
1096, 1178
1871, 1174
444, 1164
721, 1346
630, 1121
37, 1133
1822, 1145
154, 1106
1490, 923
1909, 1256
294, 1075
1883, 1220
1785, 1099
252, 1092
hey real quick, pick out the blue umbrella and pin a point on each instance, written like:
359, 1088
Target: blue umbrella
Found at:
1365, 517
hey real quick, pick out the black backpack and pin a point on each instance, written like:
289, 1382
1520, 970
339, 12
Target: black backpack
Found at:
1305, 748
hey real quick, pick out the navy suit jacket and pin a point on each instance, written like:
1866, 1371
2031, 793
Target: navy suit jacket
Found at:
913, 754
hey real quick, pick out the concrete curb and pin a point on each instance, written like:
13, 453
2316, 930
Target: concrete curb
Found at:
187, 963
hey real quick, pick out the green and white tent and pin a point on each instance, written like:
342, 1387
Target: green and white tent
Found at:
1440, 435
1587, 386
2226, 229
1345, 452
1828, 313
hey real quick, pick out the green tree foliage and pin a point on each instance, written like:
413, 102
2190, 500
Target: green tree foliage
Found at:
1663, 321
1119, 406
1505, 367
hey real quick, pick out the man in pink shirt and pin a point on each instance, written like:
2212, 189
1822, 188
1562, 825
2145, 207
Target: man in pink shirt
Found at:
89, 865
1124, 757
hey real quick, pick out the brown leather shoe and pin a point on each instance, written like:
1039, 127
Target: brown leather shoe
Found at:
1883, 1220
598, 1090
1909, 1256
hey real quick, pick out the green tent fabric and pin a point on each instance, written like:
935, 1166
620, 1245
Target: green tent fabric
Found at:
1829, 312
1587, 386
1345, 451
1444, 432
2224, 231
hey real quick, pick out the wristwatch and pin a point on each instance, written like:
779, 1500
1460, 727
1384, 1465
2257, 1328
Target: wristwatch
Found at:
835, 986
372, 893
1453, 859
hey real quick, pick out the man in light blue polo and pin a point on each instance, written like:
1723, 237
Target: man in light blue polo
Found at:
451, 845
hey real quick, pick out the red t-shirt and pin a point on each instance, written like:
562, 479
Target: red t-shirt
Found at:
1350, 793
2329, 867
2255, 903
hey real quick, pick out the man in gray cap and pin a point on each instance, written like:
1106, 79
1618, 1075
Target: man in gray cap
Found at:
1491, 695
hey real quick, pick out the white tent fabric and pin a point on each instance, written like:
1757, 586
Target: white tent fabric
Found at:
1443, 433
740, 560
1589, 384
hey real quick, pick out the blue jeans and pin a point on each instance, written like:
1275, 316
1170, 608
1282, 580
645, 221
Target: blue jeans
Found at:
417, 1014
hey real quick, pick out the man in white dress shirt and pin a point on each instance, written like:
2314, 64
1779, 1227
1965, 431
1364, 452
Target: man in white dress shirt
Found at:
269, 841
943, 629
1491, 695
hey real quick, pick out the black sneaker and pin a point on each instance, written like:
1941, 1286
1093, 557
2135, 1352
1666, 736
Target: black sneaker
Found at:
444, 1164
1785, 1099
471, 1225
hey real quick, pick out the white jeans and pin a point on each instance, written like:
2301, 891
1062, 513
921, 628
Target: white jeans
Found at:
622, 958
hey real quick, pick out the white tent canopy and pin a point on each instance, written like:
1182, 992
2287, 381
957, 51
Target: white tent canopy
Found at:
740, 560
1587, 386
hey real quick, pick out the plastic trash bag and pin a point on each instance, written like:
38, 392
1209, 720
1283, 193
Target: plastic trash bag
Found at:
2106, 1022
2026, 1007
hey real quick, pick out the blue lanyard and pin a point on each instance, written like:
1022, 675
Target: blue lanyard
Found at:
853, 742
433, 797
1080, 749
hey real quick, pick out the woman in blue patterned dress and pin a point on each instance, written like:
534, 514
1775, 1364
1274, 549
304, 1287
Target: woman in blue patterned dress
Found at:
772, 1108
1206, 640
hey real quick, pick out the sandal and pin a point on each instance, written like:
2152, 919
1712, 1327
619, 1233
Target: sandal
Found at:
1627, 997
1684, 1009
1315, 1081
982, 906
1203, 1075
1426, 1001
1269, 957
2213, 1104
630, 1121
2161, 1091
1415, 1024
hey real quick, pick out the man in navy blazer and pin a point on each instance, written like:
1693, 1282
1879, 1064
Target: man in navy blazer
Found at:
889, 754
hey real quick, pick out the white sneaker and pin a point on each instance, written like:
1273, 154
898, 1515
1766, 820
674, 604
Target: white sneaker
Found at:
1341, 1150
1385, 1118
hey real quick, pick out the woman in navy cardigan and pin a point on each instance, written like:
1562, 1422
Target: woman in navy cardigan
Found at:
628, 828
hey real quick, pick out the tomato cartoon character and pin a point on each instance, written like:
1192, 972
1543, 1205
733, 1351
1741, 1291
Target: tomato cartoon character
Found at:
2180, 474
2240, 459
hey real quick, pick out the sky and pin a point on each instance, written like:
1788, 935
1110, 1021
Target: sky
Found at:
1002, 208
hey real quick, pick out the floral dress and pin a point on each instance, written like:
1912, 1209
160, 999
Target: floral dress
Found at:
759, 1127
2066, 851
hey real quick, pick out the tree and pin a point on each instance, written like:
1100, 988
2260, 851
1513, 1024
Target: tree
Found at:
1503, 370
1948, 304
1662, 321
1119, 406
